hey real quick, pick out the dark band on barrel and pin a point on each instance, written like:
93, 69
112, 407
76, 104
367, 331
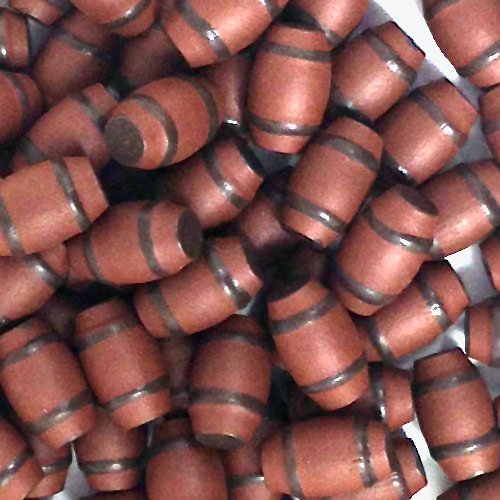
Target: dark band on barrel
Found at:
238, 338
481, 193
290, 461
353, 151
273, 8
338, 99
338, 380
60, 414
318, 56
173, 445
30, 151
158, 385
10, 232
378, 341
91, 258
438, 7
491, 126
397, 476
368, 475
151, 106
244, 480
495, 344
162, 308
8, 474
213, 168
84, 48
131, 15
226, 397
390, 57
280, 128
481, 62
377, 389
102, 467
109, 331
467, 447
43, 271
4, 53
64, 6
435, 306
447, 383
88, 107
56, 467
394, 169
315, 212
22, 97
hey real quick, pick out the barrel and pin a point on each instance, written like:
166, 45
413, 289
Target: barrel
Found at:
127, 18
299, 459
373, 72
468, 200
489, 110
164, 122
210, 31
122, 363
136, 242
384, 249
456, 415
217, 183
331, 181
74, 127
292, 65
230, 384
109, 456
425, 131
55, 465
474, 56
28, 283
19, 471
15, 40
490, 254
485, 487
317, 341
44, 384
45, 11
426, 308
47, 204
20, 100
204, 294
76, 56
179, 467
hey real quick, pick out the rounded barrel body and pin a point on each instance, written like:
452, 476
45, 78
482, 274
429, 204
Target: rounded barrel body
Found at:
15, 44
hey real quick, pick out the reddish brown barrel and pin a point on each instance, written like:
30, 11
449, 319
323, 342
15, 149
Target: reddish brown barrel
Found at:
486, 487
317, 342
72, 128
384, 250
490, 250
337, 19
15, 40
136, 242
19, 471
373, 72
293, 65
204, 294
331, 181
128, 18
489, 109
300, 459
425, 131
109, 456
77, 55
456, 416
164, 122
217, 183
476, 56
55, 466
180, 468
424, 310
468, 201
134, 390
230, 384
30, 282
44, 384
48, 204
210, 31
45, 11
21, 103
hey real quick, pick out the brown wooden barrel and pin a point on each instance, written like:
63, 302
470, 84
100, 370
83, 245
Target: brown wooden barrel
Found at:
468, 201
226, 277
45, 11
15, 40
74, 127
486, 487
490, 253
474, 56
331, 181
44, 384
425, 309
489, 109
384, 249
122, 363
164, 122
456, 415
293, 64
373, 72
425, 131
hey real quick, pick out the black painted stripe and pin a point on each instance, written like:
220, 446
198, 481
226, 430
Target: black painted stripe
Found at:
272, 7
10, 232
43, 271
63, 176
315, 212
397, 170
64, 6
491, 126
30, 151
467, 331
162, 308
173, 445
304, 318
481, 193
446, 383
226, 397
366, 471
22, 97
204, 29
91, 258
149, 389
88, 107
390, 57
60, 414
353, 151
109, 331
318, 56
280, 128
435, 306
438, 7
10, 471
338, 380
338, 99
495, 348
482, 61
244, 480
84, 48
397, 476
377, 390
290, 460
102, 467
130, 16
151, 106
467, 447
240, 338
379, 341
4, 54
56, 467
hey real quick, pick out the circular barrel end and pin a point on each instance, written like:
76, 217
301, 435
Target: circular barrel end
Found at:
124, 141
190, 234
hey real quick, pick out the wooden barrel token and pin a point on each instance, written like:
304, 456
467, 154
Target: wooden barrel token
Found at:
15, 40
